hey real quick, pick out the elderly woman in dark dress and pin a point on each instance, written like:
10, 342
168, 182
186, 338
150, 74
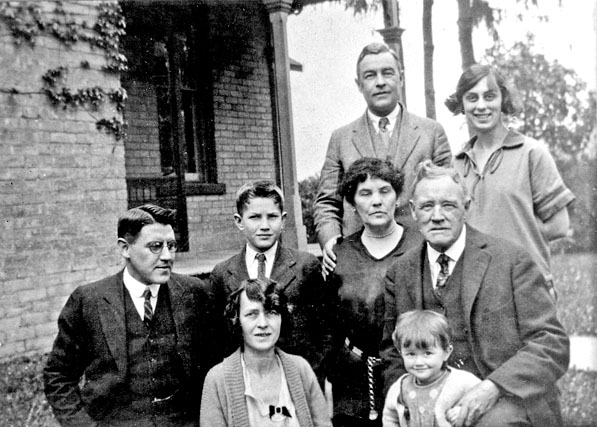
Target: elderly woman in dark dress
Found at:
372, 187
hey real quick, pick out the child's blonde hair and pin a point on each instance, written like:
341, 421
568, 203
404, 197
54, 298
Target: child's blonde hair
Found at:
422, 329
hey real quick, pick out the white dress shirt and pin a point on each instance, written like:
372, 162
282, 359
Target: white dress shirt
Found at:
392, 118
454, 252
252, 263
136, 290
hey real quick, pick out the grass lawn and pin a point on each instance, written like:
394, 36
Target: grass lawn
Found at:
575, 278
22, 403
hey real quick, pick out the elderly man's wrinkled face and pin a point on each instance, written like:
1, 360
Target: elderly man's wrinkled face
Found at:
439, 206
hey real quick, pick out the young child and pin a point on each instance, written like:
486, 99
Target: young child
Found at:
260, 217
425, 396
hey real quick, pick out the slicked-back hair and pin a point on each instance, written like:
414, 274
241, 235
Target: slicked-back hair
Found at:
429, 170
469, 79
370, 167
258, 189
266, 291
132, 221
422, 329
376, 49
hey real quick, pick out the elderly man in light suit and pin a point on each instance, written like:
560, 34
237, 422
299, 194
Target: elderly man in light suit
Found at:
497, 302
385, 131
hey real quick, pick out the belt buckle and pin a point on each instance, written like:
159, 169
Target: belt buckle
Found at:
163, 404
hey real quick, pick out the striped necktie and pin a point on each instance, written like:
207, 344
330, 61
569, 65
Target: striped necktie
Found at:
147, 310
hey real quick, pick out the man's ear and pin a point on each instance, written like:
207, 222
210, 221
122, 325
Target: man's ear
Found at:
467, 203
238, 221
284, 216
359, 86
412, 209
124, 247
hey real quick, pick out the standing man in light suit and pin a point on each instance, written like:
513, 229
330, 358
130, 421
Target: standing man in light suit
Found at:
385, 131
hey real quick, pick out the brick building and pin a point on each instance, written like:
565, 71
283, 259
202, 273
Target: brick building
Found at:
208, 109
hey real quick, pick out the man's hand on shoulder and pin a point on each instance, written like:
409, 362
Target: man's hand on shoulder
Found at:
476, 402
328, 263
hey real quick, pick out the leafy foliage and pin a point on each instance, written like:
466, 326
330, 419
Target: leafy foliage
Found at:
22, 402
26, 21
308, 193
558, 109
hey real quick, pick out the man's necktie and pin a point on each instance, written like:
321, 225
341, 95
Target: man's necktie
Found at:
384, 137
260, 266
147, 310
444, 272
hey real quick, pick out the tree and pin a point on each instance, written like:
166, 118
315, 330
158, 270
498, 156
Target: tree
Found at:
559, 110
557, 104
471, 13
428, 58
308, 193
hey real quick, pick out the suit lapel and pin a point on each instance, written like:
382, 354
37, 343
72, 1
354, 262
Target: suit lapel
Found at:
476, 261
112, 319
237, 269
283, 271
415, 273
361, 139
407, 140
180, 312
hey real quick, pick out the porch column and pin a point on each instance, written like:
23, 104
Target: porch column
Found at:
392, 36
295, 233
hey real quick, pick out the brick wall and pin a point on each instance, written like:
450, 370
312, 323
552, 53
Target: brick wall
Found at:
243, 121
142, 154
62, 187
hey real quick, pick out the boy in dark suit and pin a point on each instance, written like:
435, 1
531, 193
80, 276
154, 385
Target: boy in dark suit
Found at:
260, 217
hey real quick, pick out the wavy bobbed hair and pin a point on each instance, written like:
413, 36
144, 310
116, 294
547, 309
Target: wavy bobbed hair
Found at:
265, 291
473, 75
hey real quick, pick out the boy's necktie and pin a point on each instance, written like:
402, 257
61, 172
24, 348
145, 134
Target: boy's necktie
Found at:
260, 266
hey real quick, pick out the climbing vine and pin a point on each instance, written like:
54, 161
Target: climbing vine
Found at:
26, 21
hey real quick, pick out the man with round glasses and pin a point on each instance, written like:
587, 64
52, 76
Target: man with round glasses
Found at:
142, 339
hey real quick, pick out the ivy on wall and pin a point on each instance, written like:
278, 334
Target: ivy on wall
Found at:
27, 21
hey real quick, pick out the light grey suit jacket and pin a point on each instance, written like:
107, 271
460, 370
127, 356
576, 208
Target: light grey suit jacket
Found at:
416, 140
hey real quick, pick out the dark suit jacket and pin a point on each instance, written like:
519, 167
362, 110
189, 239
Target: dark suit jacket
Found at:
418, 139
91, 341
516, 338
299, 274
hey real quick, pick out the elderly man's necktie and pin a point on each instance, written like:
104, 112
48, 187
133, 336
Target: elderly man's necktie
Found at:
147, 309
384, 136
444, 272
260, 266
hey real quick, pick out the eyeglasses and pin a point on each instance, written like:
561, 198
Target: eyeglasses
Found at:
158, 247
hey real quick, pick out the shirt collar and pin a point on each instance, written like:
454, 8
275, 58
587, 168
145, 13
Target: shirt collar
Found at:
269, 254
137, 288
454, 252
513, 139
392, 118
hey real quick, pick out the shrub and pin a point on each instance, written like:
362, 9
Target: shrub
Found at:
307, 193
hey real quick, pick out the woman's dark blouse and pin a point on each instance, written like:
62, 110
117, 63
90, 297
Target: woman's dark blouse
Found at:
357, 289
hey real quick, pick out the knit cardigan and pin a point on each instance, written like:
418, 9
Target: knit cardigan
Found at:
223, 401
